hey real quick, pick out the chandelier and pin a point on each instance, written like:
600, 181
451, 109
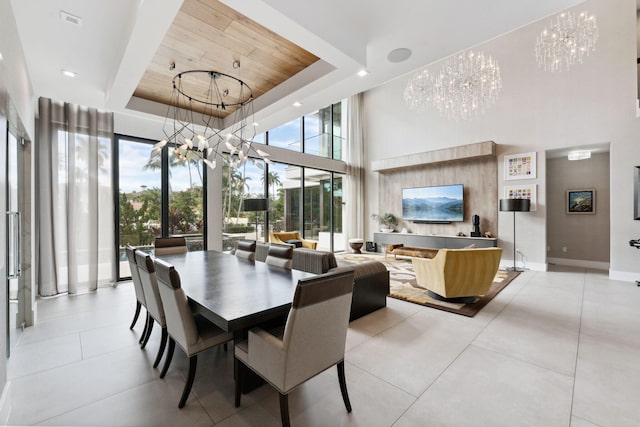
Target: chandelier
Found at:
193, 127
466, 85
566, 41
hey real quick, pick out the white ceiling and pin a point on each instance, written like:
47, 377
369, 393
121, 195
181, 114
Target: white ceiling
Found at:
117, 39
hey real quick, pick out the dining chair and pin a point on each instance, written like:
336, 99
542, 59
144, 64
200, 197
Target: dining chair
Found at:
137, 287
313, 339
170, 246
246, 249
192, 332
155, 310
280, 256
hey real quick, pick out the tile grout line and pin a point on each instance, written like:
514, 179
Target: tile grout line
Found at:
461, 352
575, 369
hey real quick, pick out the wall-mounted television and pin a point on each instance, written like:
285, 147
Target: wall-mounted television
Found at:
435, 204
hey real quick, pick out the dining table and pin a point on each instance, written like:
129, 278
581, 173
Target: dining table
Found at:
234, 293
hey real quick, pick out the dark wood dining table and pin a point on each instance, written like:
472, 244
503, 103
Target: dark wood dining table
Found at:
233, 293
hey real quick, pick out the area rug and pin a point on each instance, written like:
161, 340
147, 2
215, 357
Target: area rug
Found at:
404, 286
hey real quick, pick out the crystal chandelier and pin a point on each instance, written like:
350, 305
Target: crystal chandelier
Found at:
566, 41
193, 125
466, 85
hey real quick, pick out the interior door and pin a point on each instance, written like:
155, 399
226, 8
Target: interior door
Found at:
15, 283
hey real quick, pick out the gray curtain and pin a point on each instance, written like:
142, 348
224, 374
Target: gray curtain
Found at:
354, 189
74, 196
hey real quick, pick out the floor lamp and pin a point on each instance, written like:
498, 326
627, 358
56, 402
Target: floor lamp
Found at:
255, 205
515, 205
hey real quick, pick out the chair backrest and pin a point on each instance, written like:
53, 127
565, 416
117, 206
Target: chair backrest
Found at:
135, 275
280, 256
150, 286
170, 245
180, 322
316, 330
282, 236
459, 272
312, 261
246, 249
262, 250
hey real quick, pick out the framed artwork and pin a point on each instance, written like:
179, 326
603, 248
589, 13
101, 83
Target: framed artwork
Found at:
522, 192
520, 166
581, 202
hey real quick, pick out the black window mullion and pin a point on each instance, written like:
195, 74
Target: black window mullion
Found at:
164, 198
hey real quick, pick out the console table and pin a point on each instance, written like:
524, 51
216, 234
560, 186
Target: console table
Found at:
433, 241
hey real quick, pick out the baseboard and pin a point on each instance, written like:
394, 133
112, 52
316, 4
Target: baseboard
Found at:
5, 404
533, 266
624, 276
596, 265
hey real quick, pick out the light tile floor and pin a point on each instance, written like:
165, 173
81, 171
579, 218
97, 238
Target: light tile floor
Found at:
559, 348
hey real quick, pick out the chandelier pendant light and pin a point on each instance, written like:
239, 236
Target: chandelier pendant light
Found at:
193, 127
566, 41
466, 85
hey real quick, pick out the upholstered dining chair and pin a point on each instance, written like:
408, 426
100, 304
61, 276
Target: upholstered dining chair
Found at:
246, 249
155, 310
313, 339
170, 245
137, 287
280, 256
192, 332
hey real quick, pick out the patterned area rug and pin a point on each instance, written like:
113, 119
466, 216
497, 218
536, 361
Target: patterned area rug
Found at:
404, 286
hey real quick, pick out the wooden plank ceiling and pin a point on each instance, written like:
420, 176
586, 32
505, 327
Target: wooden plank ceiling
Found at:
207, 35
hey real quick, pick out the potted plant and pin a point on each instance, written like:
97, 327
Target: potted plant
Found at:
387, 220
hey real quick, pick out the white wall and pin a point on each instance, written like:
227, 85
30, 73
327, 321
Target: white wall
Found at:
537, 110
13, 73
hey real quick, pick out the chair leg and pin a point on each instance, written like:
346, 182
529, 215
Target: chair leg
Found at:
135, 316
144, 330
284, 410
167, 360
163, 344
149, 329
193, 364
343, 386
237, 373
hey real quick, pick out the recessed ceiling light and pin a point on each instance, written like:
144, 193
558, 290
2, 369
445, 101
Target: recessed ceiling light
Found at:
297, 104
399, 55
579, 155
68, 73
363, 73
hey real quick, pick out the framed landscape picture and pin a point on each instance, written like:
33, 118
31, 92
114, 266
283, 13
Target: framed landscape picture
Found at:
520, 166
521, 192
581, 202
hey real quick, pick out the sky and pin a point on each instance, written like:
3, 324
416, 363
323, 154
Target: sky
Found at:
134, 155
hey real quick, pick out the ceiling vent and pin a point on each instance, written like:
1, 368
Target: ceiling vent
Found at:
70, 19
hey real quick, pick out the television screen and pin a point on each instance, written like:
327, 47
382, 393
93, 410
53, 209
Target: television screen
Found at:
442, 203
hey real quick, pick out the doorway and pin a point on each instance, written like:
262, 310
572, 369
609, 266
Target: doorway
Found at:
578, 206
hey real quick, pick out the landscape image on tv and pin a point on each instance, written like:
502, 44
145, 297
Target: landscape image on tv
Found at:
439, 203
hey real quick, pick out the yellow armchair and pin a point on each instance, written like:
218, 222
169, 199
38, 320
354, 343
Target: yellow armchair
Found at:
281, 237
458, 274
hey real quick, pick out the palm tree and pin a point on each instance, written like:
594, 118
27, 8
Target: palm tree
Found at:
273, 180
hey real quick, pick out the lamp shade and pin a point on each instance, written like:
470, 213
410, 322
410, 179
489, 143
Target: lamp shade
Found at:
254, 205
515, 205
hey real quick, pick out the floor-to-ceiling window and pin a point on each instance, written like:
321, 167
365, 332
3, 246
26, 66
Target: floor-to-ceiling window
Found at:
238, 184
304, 199
158, 196
139, 195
